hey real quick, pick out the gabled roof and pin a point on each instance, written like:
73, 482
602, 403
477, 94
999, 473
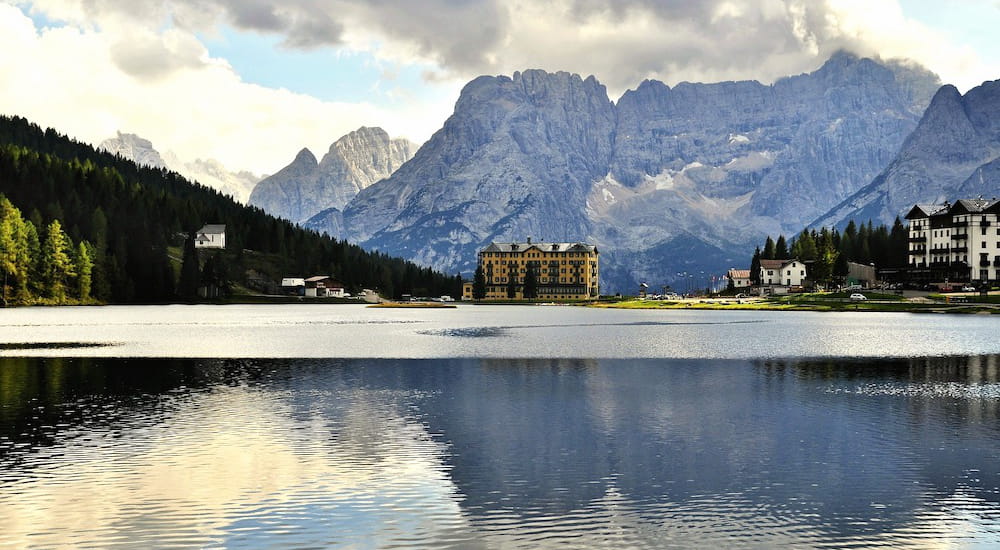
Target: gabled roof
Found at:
739, 273
317, 278
212, 229
775, 264
971, 206
541, 247
925, 210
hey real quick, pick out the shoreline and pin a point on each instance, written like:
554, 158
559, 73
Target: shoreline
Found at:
820, 305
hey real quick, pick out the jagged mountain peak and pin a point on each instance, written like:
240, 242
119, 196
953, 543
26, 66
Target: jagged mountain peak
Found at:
952, 153
305, 157
353, 162
134, 148
541, 153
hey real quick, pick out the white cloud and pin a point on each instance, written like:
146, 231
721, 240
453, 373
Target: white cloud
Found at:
91, 82
138, 66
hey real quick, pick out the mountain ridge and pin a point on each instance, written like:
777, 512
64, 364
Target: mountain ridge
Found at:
549, 155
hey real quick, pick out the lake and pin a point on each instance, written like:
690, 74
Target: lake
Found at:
320, 426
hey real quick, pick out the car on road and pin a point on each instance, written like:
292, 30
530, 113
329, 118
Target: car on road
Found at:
968, 289
858, 297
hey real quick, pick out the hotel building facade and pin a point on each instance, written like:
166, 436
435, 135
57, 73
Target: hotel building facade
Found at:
957, 242
563, 271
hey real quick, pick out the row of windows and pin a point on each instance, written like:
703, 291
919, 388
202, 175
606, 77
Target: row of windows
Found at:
541, 280
535, 254
593, 263
946, 248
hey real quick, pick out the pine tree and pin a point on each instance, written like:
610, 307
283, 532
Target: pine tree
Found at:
822, 268
755, 267
768, 253
10, 220
805, 247
512, 284
479, 284
57, 261
530, 283
187, 287
781, 249
84, 268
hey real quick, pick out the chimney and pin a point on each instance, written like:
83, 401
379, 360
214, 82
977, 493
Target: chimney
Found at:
529, 240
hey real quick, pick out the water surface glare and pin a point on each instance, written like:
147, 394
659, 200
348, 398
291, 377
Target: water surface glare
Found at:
314, 330
499, 453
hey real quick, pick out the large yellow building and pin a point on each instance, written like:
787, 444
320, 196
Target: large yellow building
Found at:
563, 271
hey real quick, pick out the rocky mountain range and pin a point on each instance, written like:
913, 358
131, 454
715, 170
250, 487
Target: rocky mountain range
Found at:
208, 172
953, 153
668, 182
306, 188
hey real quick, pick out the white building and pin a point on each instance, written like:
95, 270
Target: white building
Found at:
957, 242
322, 286
739, 277
786, 273
211, 236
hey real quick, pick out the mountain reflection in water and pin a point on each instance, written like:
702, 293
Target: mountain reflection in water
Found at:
499, 453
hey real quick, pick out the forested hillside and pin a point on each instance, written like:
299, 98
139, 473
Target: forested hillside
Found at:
131, 215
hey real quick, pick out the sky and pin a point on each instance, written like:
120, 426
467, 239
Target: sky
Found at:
251, 82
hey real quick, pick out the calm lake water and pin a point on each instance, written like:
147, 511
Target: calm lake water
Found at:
496, 427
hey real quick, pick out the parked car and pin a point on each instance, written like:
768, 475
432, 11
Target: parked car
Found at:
968, 289
858, 297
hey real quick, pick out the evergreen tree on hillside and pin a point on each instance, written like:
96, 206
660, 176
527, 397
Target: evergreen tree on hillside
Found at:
84, 269
13, 238
57, 263
187, 287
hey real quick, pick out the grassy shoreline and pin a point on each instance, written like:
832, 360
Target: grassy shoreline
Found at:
806, 303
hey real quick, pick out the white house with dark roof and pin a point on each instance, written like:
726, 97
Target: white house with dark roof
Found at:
211, 236
786, 273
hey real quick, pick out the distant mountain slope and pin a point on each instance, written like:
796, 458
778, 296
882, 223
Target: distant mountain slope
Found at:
953, 153
306, 187
210, 173
703, 169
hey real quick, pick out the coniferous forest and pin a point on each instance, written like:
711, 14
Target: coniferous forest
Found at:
113, 224
828, 251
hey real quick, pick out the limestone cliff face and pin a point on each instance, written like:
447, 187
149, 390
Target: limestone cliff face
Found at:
953, 153
518, 157
132, 147
306, 187
669, 180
